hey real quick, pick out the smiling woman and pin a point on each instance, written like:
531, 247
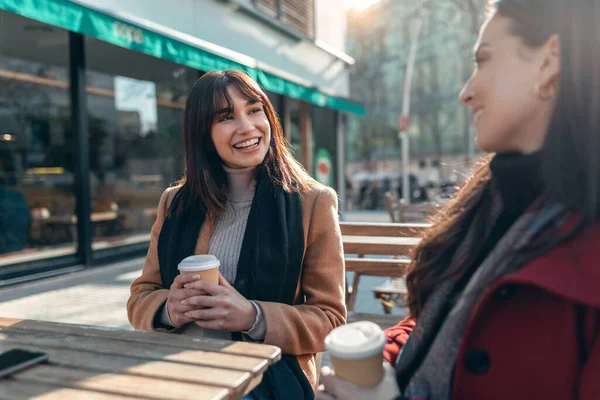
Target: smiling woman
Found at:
275, 231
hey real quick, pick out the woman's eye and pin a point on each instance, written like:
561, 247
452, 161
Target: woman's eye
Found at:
255, 110
478, 59
225, 118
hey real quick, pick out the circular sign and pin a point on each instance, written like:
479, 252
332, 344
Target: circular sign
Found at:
323, 167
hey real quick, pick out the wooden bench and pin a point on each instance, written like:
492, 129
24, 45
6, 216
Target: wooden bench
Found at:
365, 240
86, 362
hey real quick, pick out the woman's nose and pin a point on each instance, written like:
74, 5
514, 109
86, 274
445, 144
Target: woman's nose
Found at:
245, 125
466, 94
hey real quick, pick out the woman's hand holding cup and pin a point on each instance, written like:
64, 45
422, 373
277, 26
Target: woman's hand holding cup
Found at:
193, 268
177, 294
220, 307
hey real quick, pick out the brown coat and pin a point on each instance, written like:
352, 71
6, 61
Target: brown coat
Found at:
319, 307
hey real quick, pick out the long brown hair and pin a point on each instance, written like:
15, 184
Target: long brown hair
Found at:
204, 176
570, 161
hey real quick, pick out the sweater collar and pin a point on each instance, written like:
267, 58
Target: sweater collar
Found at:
518, 180
241, 184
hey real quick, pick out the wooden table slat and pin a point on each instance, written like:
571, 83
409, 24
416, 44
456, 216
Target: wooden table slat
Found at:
159, 389
270, 353
253, 365
383, 229
11, 389
381, 245
236, 381
87, 362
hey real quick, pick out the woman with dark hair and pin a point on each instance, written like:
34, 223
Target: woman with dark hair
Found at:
245, 200
504, 289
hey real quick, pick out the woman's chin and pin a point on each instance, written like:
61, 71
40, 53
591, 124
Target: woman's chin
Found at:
487, 146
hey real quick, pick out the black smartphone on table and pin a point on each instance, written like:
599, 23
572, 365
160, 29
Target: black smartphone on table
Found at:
15, 360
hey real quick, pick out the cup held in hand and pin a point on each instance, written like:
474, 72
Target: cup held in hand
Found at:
356, 352
204, 265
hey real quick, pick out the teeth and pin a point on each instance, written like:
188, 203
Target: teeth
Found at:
247, 143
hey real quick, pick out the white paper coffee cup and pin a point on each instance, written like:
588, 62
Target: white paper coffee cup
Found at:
356, 352
204, 265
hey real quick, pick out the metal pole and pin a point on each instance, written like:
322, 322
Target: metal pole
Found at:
414, 43
405, 174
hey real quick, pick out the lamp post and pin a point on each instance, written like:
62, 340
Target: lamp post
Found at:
404, 120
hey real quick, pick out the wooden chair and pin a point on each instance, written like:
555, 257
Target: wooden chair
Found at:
380, 239
401, 212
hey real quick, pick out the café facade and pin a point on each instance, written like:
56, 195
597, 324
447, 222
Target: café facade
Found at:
91, 105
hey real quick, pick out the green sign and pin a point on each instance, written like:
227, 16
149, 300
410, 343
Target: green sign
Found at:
324, 167
77, 18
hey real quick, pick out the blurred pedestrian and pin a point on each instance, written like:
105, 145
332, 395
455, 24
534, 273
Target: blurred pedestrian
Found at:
15, 221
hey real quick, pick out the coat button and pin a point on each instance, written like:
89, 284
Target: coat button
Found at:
477, 362
505, 292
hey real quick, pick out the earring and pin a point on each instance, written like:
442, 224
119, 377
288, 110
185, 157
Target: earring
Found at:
543, 96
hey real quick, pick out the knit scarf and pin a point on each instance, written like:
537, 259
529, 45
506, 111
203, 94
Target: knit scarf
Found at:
268, 268
438, 334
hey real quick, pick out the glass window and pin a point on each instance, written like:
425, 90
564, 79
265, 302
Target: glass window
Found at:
135, 106
37, 199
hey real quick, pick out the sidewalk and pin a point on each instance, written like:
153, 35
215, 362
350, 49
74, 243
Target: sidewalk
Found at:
99, 296
94, 297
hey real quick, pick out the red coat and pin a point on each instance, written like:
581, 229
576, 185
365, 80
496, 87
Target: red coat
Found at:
535, 334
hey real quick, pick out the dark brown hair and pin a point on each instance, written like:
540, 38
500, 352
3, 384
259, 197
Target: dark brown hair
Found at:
570, 156
204, 176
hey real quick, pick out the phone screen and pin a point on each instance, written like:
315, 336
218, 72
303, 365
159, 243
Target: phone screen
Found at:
15, 360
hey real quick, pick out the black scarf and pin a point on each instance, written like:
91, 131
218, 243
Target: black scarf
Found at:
268, 268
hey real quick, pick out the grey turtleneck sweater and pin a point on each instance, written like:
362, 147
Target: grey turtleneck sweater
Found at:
226, 244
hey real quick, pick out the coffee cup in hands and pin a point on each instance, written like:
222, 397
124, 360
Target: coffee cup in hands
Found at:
356, 352
206, 266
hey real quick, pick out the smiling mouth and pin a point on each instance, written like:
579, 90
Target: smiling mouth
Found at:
477, 115
248, 144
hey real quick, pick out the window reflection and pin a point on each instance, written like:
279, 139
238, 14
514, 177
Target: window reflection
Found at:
36, 168
135, 106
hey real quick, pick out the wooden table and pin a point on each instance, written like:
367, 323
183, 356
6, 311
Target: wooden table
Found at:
88, 362
379, 245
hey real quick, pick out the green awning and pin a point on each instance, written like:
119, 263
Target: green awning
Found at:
77, 18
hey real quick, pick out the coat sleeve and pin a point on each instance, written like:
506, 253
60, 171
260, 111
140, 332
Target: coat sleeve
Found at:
301, 329
396, 338
147, 294
589, 382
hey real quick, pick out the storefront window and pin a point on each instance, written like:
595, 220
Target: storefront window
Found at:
36, 169
135, 106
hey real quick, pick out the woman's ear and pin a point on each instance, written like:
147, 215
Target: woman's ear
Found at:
549, 70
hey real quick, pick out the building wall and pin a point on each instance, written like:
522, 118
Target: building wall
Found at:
133, 112
331, 22
225, 24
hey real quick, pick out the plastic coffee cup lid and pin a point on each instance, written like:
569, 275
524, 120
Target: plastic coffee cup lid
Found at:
200, 262
355, 341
